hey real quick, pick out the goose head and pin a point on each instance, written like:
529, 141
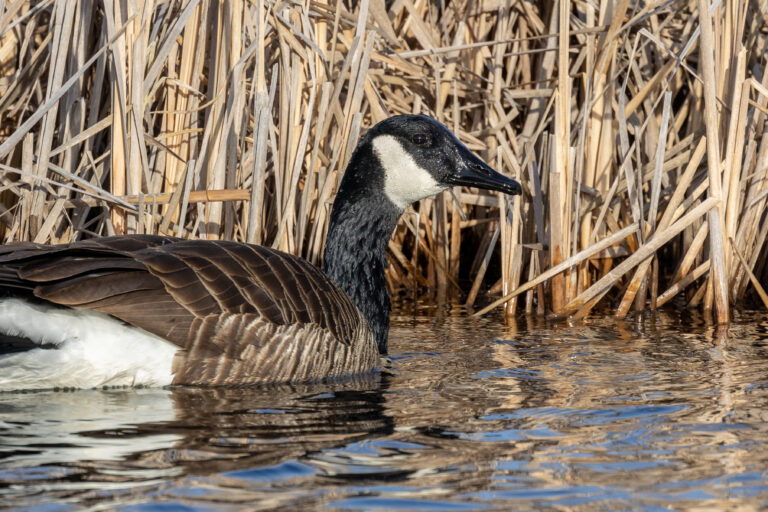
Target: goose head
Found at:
417, 158
399, 161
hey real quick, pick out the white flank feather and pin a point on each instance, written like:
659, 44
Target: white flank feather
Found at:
92, 349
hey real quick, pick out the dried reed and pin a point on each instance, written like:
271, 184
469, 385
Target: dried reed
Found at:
234, 119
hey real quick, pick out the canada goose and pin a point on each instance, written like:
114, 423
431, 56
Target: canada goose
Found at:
156, 310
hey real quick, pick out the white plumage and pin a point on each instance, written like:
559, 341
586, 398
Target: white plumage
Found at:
92, 350
405, 181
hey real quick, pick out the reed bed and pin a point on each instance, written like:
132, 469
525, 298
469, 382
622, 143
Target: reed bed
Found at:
636, 128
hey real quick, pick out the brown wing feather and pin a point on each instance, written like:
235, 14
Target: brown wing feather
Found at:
163, 284
57, 267
82, 290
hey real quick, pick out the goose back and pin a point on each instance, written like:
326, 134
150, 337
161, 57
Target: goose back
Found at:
239, 313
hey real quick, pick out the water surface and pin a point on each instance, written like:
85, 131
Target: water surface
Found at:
656, 413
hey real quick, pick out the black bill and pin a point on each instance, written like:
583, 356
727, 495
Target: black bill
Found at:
476, 173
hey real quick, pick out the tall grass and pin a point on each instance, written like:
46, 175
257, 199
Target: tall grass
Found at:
637, 130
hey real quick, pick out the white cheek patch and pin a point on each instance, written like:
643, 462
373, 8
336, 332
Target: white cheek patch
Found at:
405, 181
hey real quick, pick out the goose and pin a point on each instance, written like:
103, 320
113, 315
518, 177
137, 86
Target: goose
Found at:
149, 310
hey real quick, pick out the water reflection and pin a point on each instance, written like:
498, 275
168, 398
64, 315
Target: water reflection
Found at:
650, 412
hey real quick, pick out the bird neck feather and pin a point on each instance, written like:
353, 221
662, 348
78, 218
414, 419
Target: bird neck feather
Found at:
362, 221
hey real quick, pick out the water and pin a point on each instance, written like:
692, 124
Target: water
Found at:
657, 413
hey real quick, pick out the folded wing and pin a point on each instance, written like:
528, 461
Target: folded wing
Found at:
164, 284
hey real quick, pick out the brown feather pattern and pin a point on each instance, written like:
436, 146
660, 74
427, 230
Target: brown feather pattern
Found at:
240, 313
247, 349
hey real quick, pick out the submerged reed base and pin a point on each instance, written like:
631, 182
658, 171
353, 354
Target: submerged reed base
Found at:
637, 130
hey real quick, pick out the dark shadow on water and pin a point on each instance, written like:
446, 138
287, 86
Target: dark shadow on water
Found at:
224, 429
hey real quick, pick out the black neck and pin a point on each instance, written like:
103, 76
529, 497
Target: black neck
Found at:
362, 221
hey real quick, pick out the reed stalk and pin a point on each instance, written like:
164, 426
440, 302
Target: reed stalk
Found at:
637, 129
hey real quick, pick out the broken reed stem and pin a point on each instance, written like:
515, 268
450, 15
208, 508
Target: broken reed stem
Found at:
570, 262
752, 278
250, 110
581, 304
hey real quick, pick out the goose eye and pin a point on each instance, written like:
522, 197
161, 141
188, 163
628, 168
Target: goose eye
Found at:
420, 139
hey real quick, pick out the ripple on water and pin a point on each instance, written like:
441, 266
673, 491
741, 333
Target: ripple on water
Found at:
644, 414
